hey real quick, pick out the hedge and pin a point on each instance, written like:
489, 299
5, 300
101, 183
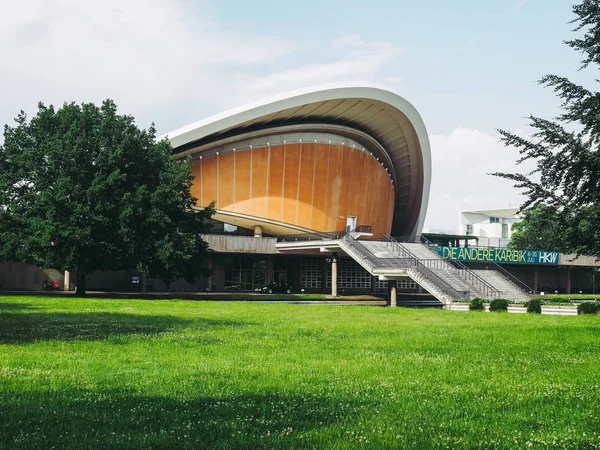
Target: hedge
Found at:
477, 304
534, 306
499, 304
589, 308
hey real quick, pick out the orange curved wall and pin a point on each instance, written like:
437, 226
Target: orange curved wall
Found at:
310, 185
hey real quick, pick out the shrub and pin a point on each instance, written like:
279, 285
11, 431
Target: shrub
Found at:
477, 304
589, 308
499, 304
534, 306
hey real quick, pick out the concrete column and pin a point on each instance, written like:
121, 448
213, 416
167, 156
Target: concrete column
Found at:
143, 277
257, 231
393, 292
324, 276
218, 279
67, 282
334, 286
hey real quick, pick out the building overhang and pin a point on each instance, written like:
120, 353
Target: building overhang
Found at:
384, 121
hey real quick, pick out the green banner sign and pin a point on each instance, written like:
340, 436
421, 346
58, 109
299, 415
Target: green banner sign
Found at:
498, 255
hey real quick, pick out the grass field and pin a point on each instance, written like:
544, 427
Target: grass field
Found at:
93, 373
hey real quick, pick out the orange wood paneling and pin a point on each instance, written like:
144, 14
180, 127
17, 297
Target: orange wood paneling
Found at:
374, 197
381, 211
366, 183
259, 182
321, 187
209, 181
390, 216
356, 178
225, 181
307, 168
310, 185
242, 182
333, 189
290, 188
344, 185
275, 200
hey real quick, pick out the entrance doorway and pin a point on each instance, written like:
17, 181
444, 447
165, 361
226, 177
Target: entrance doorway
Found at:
351, 223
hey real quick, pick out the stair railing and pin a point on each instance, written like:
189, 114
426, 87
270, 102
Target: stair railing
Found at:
482, 285
373, 260
514, 280
426, 272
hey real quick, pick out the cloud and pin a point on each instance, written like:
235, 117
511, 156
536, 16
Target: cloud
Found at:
358, 61
395, 80
471, 42
518, 6
167, 61
460, 182
144, 54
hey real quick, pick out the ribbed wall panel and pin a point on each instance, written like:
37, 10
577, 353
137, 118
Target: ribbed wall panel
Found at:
311, 185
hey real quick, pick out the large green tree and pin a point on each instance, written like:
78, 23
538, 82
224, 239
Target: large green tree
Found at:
82, 188
565, 149
541, 229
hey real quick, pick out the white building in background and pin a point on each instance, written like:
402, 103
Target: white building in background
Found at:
493, 227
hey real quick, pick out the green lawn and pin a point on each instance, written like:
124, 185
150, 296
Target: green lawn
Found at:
111, 374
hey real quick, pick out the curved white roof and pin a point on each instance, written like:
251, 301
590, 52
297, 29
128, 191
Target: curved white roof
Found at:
384, 116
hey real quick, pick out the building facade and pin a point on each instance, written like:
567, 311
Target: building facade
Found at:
492, 227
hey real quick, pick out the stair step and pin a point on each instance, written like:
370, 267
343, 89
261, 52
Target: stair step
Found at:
384, 256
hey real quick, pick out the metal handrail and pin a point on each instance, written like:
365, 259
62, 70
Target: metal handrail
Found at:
404, 239
323, 235
375, 261
481, 284
514, 280
428, 273
511, 278
316, 236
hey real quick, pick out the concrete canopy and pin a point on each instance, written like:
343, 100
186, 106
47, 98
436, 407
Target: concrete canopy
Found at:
380, 120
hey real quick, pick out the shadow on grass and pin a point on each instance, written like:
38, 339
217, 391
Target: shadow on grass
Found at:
15, 306
26, 328
116, 420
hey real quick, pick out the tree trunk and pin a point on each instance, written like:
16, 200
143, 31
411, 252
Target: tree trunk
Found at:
80, 290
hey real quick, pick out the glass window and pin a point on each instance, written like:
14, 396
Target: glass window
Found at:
350, 275
311, 273
245, 272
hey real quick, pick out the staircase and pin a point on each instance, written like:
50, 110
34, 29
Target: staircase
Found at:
390, 260
446, 280
507, 287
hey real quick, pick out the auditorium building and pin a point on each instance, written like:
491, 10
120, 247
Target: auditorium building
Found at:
307, 165
309, 189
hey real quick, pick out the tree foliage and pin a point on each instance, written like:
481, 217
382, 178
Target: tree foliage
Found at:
82, 188
541, 229
565, 149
